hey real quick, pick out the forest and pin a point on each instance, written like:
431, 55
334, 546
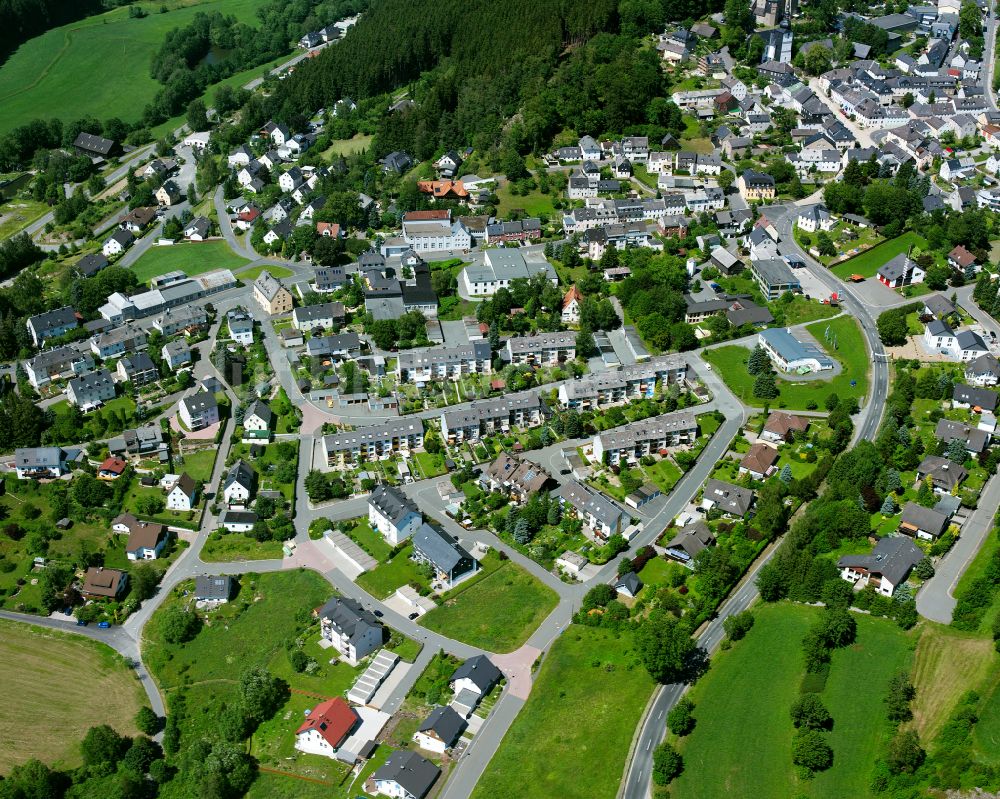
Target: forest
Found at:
21, 20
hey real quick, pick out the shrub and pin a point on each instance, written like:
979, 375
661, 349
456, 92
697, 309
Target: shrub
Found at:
667, 764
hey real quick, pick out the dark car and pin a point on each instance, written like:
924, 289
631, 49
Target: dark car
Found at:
104, 625
564, 471
81, 623
378, 613
413, 615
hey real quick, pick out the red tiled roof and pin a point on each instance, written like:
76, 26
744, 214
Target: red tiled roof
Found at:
113, 465
426, 216
333, 719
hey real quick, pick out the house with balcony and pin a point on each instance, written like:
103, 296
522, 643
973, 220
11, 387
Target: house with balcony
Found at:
652, 436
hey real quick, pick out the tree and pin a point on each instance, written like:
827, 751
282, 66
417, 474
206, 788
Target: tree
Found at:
667, 764
888, 506
139, 756
925, 570
811, 751
144, 579
824, 244
738, 625
585, 345
664, 646
179, 626
956, 451
891, 328
786, 474
899, 696
680, 720
839, 627
197, 116
597, 597
809, 713
905, 753
764, 386
103, 745
147, 721
758, 362
261, 694
725, 179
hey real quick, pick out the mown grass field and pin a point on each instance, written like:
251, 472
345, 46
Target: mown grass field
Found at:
869, 262
573, 735
753, 686
98, 66
47, 707
497, 613
191, 258
251, 274
730, 361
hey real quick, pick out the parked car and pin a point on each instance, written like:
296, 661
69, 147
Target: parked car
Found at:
104, 625
81, 623
413, 615
378, 613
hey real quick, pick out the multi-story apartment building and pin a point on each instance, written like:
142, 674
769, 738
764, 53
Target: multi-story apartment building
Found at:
637, 381
375, 442
645, 437
546, 349
483, 418
444, 363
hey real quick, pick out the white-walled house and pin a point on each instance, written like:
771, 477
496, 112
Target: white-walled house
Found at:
327, 726
392, 515
184, 494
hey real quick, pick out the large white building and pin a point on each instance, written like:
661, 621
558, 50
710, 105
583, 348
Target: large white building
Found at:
791, 355
485, 417
546, 349
392, 515
499, 268
353, 631
633, 382
444, 363
375, 442
428, 231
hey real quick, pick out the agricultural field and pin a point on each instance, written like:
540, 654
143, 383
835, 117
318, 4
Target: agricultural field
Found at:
191, 258
572, 737
730, 361
76, 70
496, 612
753, 686
36, 660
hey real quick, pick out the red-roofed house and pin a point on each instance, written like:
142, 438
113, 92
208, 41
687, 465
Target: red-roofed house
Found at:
571, 306
329, 229
992, 135
427, 216
111, 469
327, 727
961, 259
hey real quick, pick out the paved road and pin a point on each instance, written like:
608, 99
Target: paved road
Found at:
863, 135
989, 57
867, 424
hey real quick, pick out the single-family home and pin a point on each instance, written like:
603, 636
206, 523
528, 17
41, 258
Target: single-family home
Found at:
91, 390
760, 461
120, 241
983, 370
101, 583
40, 462
691, 539
442, 551
237, 521
198, 229
571, 304
976, 397
239, 483
945, 475
602, 517
391, 514
478, 675
326, 727
921, 522
886, 568
176, 353
111, 468
628, 585
730, 499
213, 588
781, 427
326, 316
183, 494
168, 194
146, 540
405, 775
440, 731
199, 410
974, 439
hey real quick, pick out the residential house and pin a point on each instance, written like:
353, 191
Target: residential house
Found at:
444, 363
57, 363
781, 427
353, 631
814, 218
571, 304
635, 381
90, 265
240, 327
183, 494
101, 583
963, 261
146, 540
176, 353
214, 588
759, 462
392, 515
120, 241
449, 559
516, 477
138, 369
118, 341
920, 522
239, 484
974, 439
52, 324
983, 370
325, 316
326, 727
198, 229
732, 500
476, 675
976, 397
440, 731
40, 462
258, 418
499, 268
270, 295
691, 539
945, 475
886, 568
602, 517
939, 307
755, 186
405, 775
168, 194
199, 410
181, 319
91, 390
111, 468
628, 585
237, 521
95, 147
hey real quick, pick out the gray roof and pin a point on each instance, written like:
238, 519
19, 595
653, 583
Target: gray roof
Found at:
53, 320
693, 538
38, 457
268, 284
892, 558
445, 723
942, 471
410, 771
629, 582
481, 671
260, 409
927, 519
326, 310
975, 440
391, 503
983, 365
439, 547
474, 350
241, 473
970, 340
774, 272
730, 498
347, 616
213, 586
588, 500
974, 395
200, 402
897, 267
939, 306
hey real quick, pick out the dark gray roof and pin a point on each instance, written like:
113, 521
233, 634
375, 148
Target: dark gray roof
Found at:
983, 365
445, 723
939, 306
927, 519
213, 586
261, 409
693, 538
391, 503
974, 439
974, 395
730, 498
892, 558
349, 617
439, 547
942, 471
240, 472
629, 582
410, 771
481, 671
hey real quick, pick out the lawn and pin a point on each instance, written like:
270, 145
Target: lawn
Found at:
370, 541
223, 547
38, 665
534, 203
497, 613
17, 213
800, 310
869, 262
191, 258
358, 144
730, 361
431, 465
572, 737
947, 663
77, 70
387, 577
199, 464
251, 274
748, 688
976, 570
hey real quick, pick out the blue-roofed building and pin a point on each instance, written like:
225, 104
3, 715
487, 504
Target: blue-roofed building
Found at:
792, 355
